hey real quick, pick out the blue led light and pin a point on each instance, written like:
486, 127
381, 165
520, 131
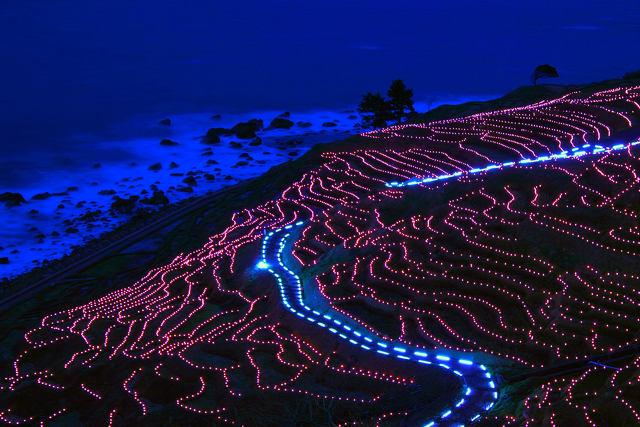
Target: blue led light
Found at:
445, 414
290, 287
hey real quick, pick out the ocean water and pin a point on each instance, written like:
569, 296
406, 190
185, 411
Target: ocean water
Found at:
85, 82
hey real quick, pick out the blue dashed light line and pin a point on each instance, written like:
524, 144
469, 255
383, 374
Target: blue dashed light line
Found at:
294, 287
402, 353
586, 149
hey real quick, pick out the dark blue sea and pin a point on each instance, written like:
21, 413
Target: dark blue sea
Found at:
77, 70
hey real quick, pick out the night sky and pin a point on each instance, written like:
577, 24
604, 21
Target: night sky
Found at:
81, 66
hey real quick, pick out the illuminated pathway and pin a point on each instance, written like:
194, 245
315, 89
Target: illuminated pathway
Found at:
478, 386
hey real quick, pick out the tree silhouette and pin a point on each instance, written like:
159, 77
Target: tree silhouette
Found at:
400, 99
543, 71
376, 111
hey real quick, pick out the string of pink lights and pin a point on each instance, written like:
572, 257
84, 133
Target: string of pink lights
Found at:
471, 274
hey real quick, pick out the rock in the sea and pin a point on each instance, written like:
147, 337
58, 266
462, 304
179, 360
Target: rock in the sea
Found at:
234, 144
285, 114
293, 153
248, 129
212, 162
190, 181
256, 141
124, 206
33, 212
12, 199
185, 189
168, 142
228, 177
173, 165
4, 260
352, 117
55, 233
210, 138
155, 167
158, 198
41, 196
71, 230
74, 188
280, 123
329, 124
219, 132
240, 163
107, 192
304, 124
216, 116
165, 122
209, 177
96, 165
245, 155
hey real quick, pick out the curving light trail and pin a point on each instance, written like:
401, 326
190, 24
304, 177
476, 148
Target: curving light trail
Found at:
480, 393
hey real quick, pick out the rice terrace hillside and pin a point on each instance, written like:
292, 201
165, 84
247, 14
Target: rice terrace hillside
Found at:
477, 269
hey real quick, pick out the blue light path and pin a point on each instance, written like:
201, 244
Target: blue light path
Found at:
585, 150
480, 393
478, 385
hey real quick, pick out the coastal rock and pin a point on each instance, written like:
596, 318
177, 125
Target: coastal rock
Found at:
329, 124
55, 233
256, 141
190, 180
158, 198
304, 124
96, 165
293, 153
248, 129
280, 123
240, 163
12, 199
124, 206
216, 116
155, 167
234, 144
71, 230
33, 212
168, 142
210, 138
209, 177
41, 196
352, 117
74, 188
285, 114
185, 189
4, 260
245, 155
219, 132
212, 162
106, 192
173, 165
165, 122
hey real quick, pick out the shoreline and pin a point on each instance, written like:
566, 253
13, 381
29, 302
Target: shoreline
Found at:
520, 96
176, 165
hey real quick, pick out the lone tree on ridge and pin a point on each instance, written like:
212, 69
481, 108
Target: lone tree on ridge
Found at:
543, 71
376, 111
400, 99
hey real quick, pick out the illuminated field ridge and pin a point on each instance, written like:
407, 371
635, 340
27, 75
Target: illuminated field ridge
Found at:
410, 240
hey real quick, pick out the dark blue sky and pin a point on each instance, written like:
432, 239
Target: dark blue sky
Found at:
79, 66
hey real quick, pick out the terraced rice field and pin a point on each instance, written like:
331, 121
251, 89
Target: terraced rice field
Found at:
507, 239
